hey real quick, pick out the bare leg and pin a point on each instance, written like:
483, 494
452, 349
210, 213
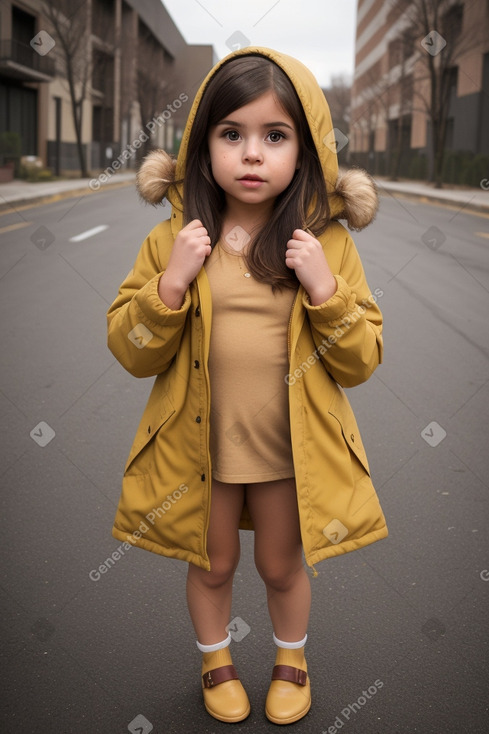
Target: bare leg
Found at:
209, 593
278, 556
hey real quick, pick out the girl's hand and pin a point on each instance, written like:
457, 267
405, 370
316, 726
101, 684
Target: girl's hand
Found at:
191, 247
305, 255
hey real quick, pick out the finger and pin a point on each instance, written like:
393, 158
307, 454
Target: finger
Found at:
291, 261
200, 233
300, 234
295, 245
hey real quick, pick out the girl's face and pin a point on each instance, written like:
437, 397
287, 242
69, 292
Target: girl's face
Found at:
254, 152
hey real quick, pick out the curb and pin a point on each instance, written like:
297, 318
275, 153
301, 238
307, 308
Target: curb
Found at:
26, 203
434, 199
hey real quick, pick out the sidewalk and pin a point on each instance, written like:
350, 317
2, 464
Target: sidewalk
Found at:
470, 199
20, 193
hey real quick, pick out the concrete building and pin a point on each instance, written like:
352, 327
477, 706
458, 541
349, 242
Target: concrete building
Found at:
131, 68
395, 57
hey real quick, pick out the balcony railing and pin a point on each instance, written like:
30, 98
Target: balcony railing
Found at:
19, 61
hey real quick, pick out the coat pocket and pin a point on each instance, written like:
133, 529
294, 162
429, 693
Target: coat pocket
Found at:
157, 412
340, 409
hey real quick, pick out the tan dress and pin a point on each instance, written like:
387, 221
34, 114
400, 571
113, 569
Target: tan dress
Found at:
248, 361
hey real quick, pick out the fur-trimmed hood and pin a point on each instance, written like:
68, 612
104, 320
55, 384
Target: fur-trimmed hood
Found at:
352, 193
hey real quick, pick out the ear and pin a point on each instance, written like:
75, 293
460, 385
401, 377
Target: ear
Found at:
358, 194
155, 176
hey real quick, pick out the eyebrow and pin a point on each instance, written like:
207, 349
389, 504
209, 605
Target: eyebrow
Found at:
233, 123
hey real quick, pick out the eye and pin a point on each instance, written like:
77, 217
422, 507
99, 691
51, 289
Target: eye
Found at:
275, 136
232, 135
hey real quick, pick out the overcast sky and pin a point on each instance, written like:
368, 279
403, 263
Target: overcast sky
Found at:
321, 33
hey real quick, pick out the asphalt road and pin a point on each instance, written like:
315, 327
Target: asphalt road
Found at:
404, 620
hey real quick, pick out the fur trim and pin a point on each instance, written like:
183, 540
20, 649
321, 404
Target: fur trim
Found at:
358, 193
155, 176
355, 193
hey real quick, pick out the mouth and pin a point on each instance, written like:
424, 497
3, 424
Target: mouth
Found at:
251, 181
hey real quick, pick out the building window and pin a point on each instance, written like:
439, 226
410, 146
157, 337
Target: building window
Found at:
23, 26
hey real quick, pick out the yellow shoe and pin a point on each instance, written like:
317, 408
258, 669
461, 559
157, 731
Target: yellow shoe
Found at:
224, 696
289, 695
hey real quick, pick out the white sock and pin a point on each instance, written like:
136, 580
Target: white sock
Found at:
216, 646
289, 645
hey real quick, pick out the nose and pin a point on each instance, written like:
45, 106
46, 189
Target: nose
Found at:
252, 152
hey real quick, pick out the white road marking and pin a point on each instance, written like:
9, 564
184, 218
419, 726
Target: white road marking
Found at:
89, 233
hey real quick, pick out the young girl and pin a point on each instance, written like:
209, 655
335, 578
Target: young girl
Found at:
251, 307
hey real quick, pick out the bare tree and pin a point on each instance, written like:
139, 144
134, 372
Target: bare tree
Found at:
402, 89
84, 35
339, 100
70, 26
375, 107
152, 75
435, 26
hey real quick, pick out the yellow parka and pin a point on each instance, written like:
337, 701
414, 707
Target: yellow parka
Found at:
166, 493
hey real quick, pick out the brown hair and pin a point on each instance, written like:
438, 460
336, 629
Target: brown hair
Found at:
304, 203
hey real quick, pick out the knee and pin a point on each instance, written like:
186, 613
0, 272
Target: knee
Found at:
222, 571
279, 576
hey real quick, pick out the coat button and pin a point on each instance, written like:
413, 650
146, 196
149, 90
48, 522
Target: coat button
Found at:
202, 477
352, 437
149, 429
196, 364
197, 311
198, 419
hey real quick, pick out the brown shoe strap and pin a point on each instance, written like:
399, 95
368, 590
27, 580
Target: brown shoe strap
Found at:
219, 675
287, 672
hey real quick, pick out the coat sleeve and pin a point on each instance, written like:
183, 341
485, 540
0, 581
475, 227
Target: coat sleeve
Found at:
143, 334
347, 329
